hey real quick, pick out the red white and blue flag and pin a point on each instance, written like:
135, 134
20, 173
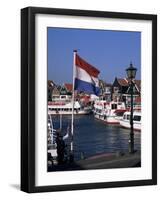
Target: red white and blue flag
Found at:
86, 77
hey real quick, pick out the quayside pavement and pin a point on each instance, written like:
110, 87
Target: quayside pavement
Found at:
102, 161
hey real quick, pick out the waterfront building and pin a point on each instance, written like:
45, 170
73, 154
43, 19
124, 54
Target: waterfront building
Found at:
55, 93
64, 90
105, 91
120, 90
68, 87
60, 92
51, 85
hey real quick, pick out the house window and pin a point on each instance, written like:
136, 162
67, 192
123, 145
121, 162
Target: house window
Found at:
108, 90
116, 89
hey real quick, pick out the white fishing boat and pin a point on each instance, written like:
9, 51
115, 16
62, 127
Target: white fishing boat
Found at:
125, 121
109, 112
62, 105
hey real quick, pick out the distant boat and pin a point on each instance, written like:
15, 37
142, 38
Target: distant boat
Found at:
109, 112
63, 105
125, 121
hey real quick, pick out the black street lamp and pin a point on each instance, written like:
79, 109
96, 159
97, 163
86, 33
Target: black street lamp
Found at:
131, 73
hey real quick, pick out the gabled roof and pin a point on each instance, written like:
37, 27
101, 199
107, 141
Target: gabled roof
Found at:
51, 83
55, 91
68, 86
123, 81
138, 84
124, 84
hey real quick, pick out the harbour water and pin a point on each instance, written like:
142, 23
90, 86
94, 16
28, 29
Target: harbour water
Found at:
92, 137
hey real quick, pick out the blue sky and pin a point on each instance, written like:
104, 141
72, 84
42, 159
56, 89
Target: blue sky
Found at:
109, 51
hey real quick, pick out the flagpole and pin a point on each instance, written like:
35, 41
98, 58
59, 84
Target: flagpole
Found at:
72, 121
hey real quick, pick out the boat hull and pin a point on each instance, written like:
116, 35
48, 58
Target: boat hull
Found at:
126, 124
69, 112
108, 119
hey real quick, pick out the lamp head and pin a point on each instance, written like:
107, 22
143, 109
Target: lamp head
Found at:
131, 71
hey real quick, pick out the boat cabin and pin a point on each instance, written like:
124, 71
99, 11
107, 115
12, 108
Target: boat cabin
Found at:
136, 116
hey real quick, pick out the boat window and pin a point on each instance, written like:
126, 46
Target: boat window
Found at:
128, 116
124, 117
63, 97
114, 106
137, 118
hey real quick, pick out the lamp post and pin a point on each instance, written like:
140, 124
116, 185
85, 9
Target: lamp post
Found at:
131, 73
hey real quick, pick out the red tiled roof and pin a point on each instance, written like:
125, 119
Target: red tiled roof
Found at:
69, 86
123, 82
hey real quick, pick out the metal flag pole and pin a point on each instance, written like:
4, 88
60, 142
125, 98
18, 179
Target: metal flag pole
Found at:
72, 121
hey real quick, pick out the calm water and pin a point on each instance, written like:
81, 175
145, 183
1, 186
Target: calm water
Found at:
93, 137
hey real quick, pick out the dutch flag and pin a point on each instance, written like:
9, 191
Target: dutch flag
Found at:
86, 77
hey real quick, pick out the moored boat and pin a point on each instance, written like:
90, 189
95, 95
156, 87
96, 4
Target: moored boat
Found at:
109, 112
125, 121
63, 106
